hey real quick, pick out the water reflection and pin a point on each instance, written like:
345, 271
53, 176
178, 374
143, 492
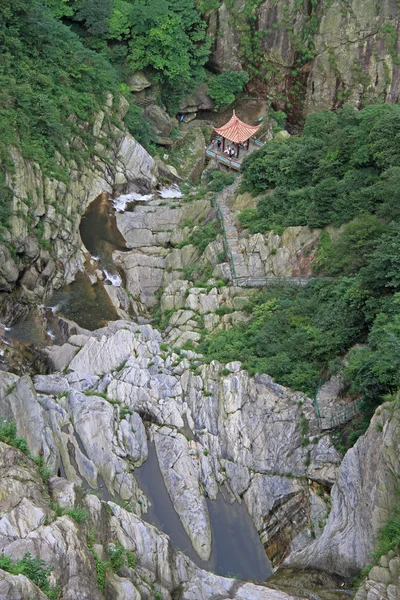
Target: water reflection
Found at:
86, 304
100, 234
236, 548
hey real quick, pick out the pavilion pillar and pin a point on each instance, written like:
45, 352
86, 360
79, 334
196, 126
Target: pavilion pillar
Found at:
223, 144
237, 149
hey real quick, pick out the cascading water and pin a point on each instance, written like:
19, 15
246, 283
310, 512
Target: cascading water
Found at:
171, 191
113, 278
124, 200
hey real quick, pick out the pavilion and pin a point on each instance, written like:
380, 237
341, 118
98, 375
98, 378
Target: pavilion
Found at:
240, 134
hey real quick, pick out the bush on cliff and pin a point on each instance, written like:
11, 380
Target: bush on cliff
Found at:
225, 87
345, 165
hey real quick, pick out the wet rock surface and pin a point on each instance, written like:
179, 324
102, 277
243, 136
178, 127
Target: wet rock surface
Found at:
58, 208
29, 523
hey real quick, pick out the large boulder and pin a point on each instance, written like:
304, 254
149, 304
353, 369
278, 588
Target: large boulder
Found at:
138, 82
199, 100
8, 270
189, 154
161, 122
138, 166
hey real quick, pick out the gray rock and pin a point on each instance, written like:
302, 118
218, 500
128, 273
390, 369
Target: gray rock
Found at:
365, 488
161, 121
138, 82
8, 270
183, 486
18, 587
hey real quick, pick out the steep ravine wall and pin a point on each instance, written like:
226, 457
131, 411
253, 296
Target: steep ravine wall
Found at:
365, 492
308, 56
44, 228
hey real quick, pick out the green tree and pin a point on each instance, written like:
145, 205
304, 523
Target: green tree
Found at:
382, 274
350, 251
95, 16
225, 87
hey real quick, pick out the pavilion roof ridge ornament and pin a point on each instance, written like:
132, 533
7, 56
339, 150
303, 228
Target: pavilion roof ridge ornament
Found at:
236, 130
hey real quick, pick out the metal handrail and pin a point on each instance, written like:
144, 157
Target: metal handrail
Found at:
345, 413
228, 251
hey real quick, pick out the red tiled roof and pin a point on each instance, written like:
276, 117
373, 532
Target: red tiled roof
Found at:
236, 131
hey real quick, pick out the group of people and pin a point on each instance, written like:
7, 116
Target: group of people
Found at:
228, 150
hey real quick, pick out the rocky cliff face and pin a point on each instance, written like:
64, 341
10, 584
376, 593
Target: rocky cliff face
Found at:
46, 212
311, 55
362, 497
76, 551
241, 432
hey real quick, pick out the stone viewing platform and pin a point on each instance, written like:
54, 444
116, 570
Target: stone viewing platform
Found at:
232, 162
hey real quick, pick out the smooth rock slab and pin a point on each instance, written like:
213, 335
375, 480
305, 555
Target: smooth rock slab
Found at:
104, 355
182, 483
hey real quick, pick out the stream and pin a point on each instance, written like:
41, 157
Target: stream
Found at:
236, 547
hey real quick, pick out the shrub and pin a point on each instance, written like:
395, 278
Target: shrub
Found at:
225, 87
203, 235
389, 536
8, 435
79, 514
35, 569
350, 251
334, 173
141, 129
219, 180
198, 273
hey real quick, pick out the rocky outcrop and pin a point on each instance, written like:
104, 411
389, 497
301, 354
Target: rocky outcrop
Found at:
76, 553
362, 497
383, 580
8, 270
356, 55
46, 212
320, 54
188, 155
290, 254
242, 432
152, 233
198, 100
137, 82
156, 233
161, 122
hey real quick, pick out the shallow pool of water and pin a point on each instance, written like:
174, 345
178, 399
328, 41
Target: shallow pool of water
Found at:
86, 304
236, 548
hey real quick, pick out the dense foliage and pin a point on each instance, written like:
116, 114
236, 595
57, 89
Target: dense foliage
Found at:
345, 165
343, 170
35, 569
59, 58
50, 82
225, 87
167, 37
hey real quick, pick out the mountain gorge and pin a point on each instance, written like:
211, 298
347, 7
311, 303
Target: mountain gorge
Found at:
199, 369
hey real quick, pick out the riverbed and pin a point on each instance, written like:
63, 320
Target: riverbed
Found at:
236, 547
